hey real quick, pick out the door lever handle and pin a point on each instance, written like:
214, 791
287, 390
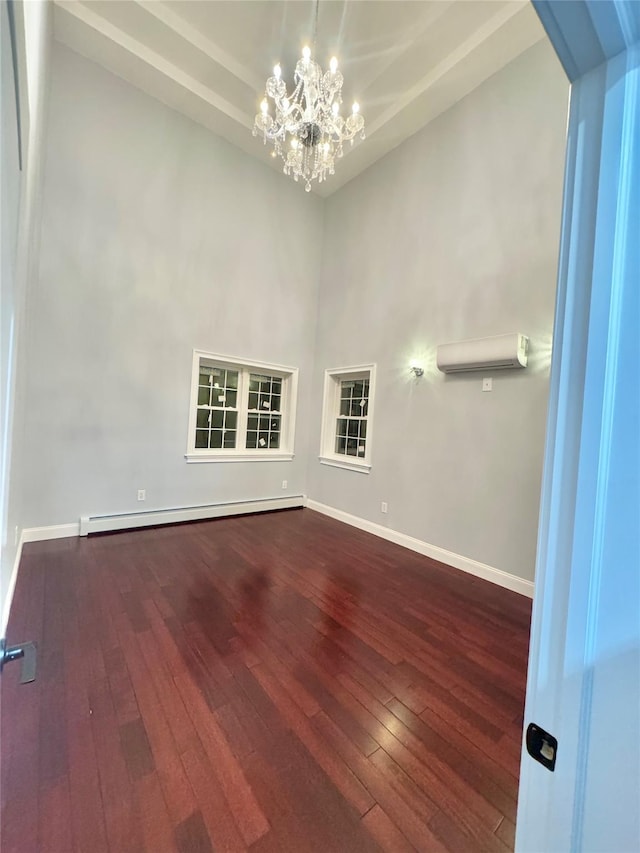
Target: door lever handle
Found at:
23, 651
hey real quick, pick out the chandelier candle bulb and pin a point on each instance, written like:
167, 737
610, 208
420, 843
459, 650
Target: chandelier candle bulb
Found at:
277, 71
333, 65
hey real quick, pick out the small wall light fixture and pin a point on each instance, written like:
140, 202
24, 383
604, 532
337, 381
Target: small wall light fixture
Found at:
416, 369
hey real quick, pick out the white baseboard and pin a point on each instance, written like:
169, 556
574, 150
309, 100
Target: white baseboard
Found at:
8, 601
54, 531
465, 564
127, 520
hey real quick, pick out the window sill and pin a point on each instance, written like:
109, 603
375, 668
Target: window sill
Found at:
266, 456
362, 467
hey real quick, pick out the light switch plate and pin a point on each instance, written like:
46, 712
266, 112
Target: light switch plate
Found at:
487, 384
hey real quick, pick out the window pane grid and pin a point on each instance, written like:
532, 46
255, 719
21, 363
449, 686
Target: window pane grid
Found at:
351, 423
263, 431
216, 428
238, 408
351, 436
217, 415
265, 393
217, 387
264, 412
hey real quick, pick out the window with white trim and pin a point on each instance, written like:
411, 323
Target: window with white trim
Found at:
347, 417
240, 411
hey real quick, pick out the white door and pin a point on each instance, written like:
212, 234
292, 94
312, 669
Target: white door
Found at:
584, 668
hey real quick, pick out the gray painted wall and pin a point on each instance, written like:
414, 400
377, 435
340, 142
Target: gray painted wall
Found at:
453, 235
9, 290
157, 237
19, 217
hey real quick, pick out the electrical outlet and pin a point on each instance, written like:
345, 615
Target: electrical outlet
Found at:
487, 384
284, 484
383, 506
142, 494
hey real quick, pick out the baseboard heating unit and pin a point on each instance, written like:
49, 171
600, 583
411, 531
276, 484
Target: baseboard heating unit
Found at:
149, 518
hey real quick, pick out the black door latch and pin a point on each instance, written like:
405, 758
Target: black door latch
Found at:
542, 746
23, 651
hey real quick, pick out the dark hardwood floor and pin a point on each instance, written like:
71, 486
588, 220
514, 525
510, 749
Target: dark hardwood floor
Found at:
279, 682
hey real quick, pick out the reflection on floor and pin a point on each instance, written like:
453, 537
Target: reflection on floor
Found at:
272, 682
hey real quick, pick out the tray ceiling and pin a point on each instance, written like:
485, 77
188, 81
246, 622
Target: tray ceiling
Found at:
404, 61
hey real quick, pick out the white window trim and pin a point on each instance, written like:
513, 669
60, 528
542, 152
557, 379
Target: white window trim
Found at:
330, 406
289, 402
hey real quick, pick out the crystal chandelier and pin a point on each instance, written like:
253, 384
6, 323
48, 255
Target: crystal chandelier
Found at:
308, 131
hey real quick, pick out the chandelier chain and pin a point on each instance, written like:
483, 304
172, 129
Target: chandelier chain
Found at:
315, 25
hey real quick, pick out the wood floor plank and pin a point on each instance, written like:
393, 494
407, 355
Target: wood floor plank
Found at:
86, 808
294, 686
287, 834
192, 836
431, 757
321, 810
178, 719
136, 751
55, 831
344, 780
246, 811
378, 823
381, 788
115, 785
221, 827
459, 838
151, 808
177, 791
474, 766
87, 811
122, 692
278, 682
52, 728
506, 832
235, 733
404, 785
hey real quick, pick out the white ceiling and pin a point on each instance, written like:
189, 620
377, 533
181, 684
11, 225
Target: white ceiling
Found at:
404, 61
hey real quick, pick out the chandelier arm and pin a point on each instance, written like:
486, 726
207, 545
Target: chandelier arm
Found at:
293, 117
275, 135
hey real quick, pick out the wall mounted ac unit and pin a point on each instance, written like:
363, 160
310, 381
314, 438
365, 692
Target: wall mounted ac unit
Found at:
501, 351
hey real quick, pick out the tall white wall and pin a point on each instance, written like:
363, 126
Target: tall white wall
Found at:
157, 238
19, 219
10, 293
453, 235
